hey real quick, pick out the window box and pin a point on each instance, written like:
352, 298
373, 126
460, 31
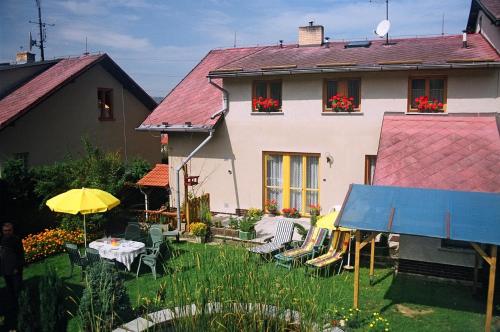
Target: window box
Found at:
342, 95
266, 96
427, 95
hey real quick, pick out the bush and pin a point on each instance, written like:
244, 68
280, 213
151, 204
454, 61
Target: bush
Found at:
26, 315
234, 223
52, 313
255, 213
104, 302
49, 242
198, 229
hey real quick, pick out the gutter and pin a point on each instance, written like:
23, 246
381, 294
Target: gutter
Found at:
165, 128
215, 74
177, 176
225, 100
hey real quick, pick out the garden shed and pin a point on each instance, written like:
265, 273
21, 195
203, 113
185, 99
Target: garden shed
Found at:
472, 217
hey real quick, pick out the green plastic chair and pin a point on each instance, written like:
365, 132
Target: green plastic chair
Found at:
155, 236
75, 258
133, 232
150, 259
92, 256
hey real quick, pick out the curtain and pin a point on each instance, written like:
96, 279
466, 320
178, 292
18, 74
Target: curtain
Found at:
274, 179
296, 182
312, 181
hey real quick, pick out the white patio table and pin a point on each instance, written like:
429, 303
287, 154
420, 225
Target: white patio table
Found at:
124, 251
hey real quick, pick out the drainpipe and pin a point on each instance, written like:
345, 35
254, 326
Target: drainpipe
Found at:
146, 202
177, 174
223, 111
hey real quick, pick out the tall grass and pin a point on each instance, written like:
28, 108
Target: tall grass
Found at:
246, 295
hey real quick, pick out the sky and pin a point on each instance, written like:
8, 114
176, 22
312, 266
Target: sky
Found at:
158, 42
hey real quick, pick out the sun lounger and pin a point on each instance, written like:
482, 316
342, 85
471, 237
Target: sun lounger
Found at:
284, 233
337, 249
309, 248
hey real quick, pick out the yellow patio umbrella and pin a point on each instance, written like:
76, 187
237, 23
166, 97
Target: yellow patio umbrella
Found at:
84, 201
328, 221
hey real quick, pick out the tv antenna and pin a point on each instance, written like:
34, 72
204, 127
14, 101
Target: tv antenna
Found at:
384, 25
42, 31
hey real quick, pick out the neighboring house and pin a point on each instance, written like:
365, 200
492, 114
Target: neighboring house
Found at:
484, 18
46, 108
303, 152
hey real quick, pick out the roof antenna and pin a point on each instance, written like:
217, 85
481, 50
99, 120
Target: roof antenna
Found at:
234, 44
86, 50
42, 30
384, 26
442, 26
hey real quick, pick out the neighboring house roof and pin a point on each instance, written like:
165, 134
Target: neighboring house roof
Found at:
157, 177
457, 152
54, 78
490, 7
194, 99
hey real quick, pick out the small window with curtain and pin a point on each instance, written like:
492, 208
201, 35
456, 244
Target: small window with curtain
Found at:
105, 104
266, 96
427, 95
342, 95
370, 162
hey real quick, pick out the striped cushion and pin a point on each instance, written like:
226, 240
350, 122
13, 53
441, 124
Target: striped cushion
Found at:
266, 248
314, 237
338, 248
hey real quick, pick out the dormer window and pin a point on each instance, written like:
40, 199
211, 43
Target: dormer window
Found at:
105, 104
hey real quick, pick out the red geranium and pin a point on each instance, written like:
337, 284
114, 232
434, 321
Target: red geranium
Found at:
265, 104
425, 105
340, 103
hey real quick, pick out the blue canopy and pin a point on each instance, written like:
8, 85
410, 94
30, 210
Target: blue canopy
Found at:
446, 214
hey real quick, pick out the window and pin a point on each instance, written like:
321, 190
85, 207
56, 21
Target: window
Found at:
349, 88
370, 162
266, 96
105, 103
433, 88
292, 180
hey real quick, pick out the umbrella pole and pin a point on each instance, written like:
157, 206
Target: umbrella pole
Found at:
84, 233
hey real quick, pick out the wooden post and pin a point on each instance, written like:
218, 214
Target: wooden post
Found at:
186, 199
356, 269
372, 260
491, 288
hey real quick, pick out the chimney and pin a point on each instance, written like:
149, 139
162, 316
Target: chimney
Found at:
311, 35
25, 57
464, 39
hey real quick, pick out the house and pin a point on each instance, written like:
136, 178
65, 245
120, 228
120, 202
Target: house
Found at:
47, 107
484, 18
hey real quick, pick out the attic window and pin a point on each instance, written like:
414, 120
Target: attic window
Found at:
105, 103
361, 43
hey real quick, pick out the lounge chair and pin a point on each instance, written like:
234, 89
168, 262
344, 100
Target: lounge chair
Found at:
309, 248
278, 242
335, 254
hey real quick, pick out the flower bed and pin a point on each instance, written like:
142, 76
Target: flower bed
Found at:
49, 242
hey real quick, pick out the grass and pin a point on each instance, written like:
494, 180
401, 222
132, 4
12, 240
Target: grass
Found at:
201, 273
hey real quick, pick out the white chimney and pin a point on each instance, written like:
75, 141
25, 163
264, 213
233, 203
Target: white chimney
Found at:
311, 35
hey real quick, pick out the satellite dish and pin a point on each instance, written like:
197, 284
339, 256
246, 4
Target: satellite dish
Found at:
383, 28
32, 42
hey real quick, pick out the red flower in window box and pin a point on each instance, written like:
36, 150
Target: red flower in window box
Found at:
425, 105
314, 209
340, 103
265, 105
290, 212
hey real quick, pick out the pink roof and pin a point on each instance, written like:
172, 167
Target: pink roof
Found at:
432, 50
194, 99
41, 86
157, 177
456, 152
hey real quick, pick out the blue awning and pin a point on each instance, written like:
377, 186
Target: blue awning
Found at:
446, 214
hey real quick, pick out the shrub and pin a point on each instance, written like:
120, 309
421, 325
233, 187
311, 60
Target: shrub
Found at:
51, 292
291, 212
104, 302
198, 229
313, 219
234, 223
255, 213
26, 321
205, 214
49, 242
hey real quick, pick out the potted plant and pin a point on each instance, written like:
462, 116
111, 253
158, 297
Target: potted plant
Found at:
272, 206
290, 212
425, 105
341, 103
247, 228
199, 230
265, 105
314, 209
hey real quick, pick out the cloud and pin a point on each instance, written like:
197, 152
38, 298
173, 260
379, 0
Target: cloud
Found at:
84, 7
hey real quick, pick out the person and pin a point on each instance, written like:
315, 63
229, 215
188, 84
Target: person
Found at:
11, 267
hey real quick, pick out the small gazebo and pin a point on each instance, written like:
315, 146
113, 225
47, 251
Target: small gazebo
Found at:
472, 217
157, 178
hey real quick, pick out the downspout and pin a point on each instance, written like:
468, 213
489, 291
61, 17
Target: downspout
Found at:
223, 111
146, 202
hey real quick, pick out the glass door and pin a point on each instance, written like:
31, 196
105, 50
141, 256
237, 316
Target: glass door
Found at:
274, 179
296, 177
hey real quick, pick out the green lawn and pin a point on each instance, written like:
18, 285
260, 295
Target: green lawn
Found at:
222, 271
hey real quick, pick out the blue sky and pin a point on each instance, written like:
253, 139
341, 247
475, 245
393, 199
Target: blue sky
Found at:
158, 42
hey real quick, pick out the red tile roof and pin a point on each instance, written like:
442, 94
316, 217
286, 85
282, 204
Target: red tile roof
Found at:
37, 89
157, 177
441, 152
431, 50
194, 99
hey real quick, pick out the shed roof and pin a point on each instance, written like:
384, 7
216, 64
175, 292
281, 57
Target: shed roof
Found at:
457, 152
157, 177
445, 214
